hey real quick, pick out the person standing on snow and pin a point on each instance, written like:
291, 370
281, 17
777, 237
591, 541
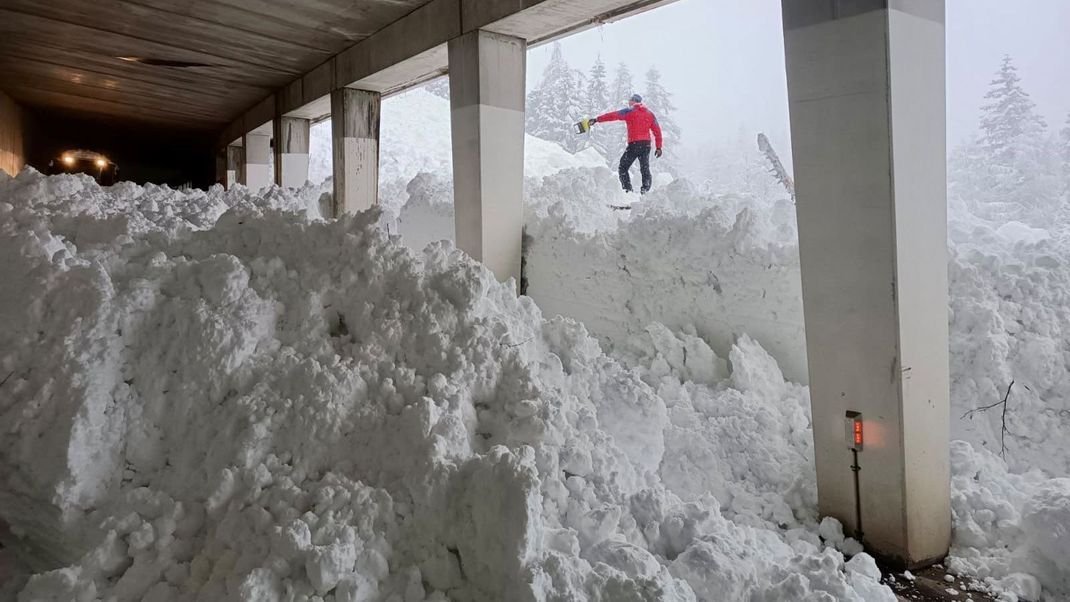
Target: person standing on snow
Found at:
641, 123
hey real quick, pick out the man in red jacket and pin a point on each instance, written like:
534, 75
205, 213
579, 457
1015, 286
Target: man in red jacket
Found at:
641, 122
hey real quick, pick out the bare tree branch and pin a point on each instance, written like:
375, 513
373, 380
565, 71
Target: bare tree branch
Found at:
1003, 428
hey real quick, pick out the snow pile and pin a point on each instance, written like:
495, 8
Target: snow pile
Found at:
742, 436
722, 266
578, 198
427, 213
1010, 322
236, 400
716, 266
1010, 339
1012, 531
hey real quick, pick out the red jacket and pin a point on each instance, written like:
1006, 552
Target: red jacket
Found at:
640, 123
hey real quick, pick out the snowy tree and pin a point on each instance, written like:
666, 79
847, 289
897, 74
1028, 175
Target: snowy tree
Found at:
622, 86
659, 101
557, 103
598, 102
1009, 122
1011, 171
597, 90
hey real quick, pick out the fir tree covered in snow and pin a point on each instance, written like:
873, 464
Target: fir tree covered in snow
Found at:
1009, 124
623, 87
659, 101
1011, 171
597, 89
558, 102
598, 102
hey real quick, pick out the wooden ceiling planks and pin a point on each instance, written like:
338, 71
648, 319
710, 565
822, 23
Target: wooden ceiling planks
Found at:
226, 78
181, 34
62, 54
116, 110
103, 89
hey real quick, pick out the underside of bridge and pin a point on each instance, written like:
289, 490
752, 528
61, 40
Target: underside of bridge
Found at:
207, 90
152, 83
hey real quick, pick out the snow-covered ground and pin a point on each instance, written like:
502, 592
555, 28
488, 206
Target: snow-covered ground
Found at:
622, 272
218, 396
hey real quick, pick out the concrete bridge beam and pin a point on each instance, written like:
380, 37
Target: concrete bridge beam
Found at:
256, 173
291, 151
487, 120
355, 149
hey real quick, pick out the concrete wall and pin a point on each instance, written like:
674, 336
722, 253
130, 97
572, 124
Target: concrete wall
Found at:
12, 136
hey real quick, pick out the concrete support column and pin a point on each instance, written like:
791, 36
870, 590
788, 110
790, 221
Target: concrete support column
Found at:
291, 151
866, 95
221, 167
257, 172
235, 165
355, 148
487, 116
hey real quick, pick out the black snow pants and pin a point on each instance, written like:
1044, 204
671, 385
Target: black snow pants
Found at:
636, 150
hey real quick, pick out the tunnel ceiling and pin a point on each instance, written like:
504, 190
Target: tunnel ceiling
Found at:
190, 63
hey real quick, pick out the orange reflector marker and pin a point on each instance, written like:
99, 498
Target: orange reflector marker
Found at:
854, 430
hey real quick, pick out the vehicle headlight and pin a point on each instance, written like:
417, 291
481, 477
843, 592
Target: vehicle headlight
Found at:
68, 160
102, 163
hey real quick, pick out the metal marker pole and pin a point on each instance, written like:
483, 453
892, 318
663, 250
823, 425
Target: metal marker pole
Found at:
855, 468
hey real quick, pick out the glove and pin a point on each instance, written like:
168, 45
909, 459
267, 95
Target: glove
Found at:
657, 153
592, 121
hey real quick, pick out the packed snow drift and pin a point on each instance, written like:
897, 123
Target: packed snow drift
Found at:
715, 266
212, 395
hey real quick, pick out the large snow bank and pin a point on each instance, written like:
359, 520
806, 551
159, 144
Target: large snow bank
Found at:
619, 272
718, 265
1011, 531
219, 396
1010, 321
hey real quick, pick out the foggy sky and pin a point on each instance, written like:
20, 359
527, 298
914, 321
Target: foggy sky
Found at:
724, 61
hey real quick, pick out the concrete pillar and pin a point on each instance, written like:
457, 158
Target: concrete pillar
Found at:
866, 96
221, 167
355, 149
235, 165
487, 118
291, 151
257, 172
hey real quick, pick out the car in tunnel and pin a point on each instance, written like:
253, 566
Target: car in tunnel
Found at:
93, 164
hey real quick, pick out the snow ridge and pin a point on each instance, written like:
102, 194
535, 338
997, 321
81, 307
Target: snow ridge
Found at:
238, 400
